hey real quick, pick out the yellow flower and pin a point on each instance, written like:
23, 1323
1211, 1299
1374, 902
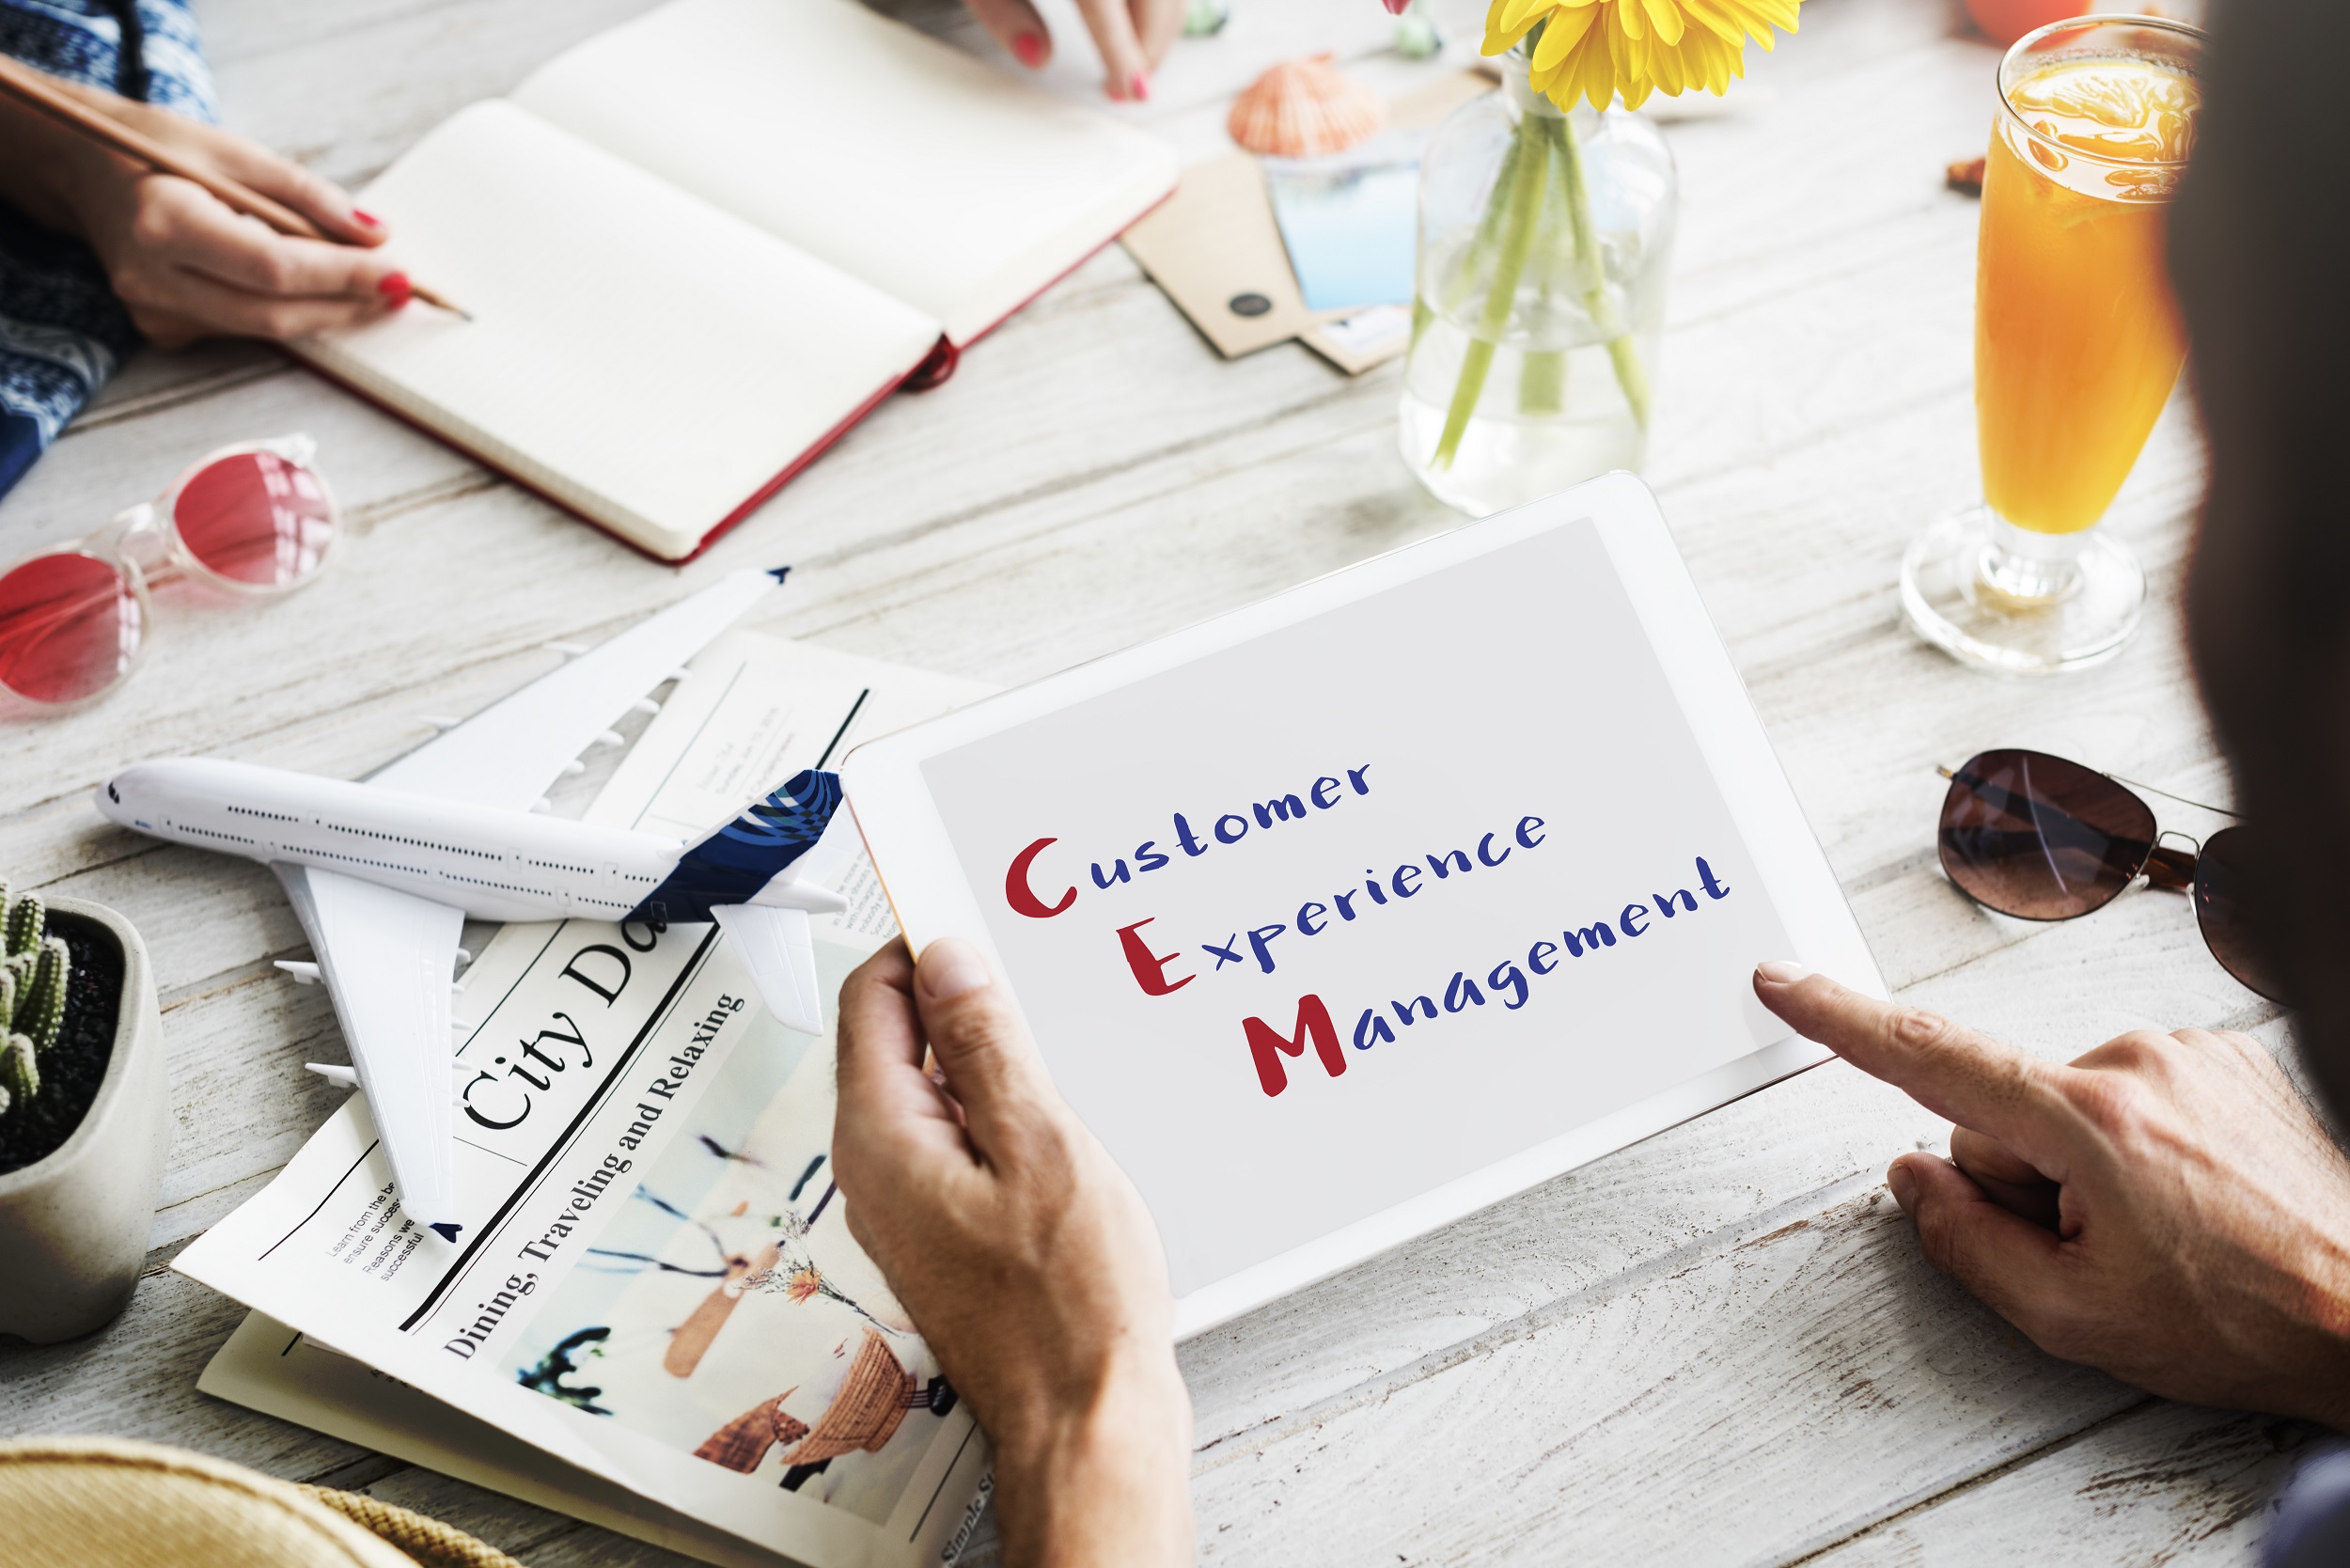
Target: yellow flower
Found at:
1594, 49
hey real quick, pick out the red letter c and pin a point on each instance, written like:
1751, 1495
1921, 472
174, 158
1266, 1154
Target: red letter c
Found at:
1016, 891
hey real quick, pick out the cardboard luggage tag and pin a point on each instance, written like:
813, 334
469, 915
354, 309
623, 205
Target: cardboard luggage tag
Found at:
1216, 248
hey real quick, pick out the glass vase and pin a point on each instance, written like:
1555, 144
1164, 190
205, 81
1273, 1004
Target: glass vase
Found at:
1543, 243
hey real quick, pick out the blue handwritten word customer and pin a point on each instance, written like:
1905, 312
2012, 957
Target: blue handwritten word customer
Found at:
2164, 1207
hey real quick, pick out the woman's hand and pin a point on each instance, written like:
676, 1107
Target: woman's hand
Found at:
1023, 1256
1131, 35
2165, 1208
187, 266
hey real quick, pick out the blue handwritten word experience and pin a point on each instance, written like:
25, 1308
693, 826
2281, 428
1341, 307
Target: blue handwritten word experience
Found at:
1313, 924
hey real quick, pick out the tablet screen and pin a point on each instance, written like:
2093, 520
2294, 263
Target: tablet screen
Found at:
1326, 919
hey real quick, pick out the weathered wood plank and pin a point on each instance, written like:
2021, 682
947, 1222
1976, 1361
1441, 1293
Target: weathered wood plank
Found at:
1221, 429
1744, 1406
1920, 818
136, 1377
347, 100
2160, 1482
1718, 1345
1055, 365
1913, 828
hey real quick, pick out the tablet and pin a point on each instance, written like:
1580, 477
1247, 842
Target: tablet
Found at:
1347, 913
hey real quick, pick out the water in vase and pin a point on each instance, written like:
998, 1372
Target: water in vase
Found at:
1543, 243
1547, 418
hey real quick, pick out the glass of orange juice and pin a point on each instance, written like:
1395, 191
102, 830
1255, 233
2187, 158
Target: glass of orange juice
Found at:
2077, 344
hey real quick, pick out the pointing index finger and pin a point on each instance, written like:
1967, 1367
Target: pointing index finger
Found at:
1960, 1076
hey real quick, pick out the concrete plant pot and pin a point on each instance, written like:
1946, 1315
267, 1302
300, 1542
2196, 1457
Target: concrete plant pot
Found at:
74, 1226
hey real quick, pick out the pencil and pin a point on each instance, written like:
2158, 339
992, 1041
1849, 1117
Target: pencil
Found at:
30, 89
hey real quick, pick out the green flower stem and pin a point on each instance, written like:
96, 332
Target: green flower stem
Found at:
1523, 192
1457, 287
1630, 375
1488, 234
1543, 373
1542, 383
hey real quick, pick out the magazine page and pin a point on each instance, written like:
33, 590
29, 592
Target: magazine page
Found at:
281, 1371
655, 1283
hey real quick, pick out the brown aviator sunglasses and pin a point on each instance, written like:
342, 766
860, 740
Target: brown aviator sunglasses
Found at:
2042, 838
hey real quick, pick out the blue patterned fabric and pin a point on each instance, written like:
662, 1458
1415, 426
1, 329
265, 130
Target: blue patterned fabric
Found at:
62, 331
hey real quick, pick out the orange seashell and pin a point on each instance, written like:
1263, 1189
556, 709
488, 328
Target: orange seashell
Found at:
1304, 108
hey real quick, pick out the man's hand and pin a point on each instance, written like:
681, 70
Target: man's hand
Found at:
1023, 1256
2165, 1208
187, 266
1131, 35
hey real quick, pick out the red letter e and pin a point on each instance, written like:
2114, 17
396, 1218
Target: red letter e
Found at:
1149, 967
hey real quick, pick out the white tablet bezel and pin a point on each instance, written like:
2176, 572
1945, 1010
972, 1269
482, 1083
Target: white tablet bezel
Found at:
907, 838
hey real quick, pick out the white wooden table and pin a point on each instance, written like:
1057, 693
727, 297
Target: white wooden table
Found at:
1718, 1347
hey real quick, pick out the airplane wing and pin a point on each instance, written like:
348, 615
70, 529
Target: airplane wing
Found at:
509, 752
386, 958
776, 943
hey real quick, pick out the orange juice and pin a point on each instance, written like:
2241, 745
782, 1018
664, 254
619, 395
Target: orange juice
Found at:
2078, 341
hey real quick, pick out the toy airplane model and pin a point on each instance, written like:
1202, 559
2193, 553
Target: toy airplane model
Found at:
383, 873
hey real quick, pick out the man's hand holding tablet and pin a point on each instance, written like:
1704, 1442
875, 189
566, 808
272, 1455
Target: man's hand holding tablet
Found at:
1025, 1255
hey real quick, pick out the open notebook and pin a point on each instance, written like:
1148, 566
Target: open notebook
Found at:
697, 247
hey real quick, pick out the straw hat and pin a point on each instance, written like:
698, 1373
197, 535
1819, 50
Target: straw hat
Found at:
106, 1502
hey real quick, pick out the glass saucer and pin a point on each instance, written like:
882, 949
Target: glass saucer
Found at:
2002, 598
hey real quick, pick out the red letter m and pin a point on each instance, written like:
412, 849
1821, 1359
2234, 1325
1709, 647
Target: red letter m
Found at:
1264, 1041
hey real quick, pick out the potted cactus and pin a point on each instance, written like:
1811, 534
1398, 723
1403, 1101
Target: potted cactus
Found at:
33, 970
84, 1123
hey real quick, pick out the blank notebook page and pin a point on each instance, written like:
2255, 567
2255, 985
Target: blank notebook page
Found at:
607, 303
901, 161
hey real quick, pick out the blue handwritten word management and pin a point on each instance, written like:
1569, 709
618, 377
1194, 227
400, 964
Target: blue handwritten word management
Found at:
1507, 982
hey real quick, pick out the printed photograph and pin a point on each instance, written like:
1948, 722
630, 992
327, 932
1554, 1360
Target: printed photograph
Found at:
724, 1310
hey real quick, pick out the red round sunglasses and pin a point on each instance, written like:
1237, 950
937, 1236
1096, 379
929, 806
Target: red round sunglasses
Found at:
252, 519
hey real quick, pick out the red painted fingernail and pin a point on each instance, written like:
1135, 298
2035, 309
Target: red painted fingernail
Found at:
1030, 48
366, 217
1396, 7
1139, 90
396, 287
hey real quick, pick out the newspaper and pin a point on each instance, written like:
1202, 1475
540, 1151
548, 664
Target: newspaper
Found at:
655, 1317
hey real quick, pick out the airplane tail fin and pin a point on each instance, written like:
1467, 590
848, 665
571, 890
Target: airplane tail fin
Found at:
775, 840
770, 839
